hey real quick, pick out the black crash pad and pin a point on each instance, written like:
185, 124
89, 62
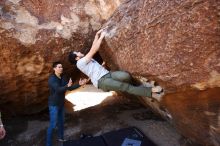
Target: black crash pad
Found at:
124, 137
127, 137
90, 141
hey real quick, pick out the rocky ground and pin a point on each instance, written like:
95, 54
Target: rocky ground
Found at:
114, 114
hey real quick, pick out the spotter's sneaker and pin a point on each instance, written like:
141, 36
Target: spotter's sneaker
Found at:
62, 140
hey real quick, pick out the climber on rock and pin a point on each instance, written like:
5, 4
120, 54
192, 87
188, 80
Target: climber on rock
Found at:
104, 79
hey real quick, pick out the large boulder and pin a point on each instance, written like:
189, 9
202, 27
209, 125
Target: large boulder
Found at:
33, 34
177, 44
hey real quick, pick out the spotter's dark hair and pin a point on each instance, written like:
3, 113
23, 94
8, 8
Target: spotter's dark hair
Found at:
56, 63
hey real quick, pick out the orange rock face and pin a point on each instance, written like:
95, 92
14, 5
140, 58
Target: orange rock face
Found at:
33, 34
176, 43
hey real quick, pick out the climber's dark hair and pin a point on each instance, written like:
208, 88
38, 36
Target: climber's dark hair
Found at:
72, 58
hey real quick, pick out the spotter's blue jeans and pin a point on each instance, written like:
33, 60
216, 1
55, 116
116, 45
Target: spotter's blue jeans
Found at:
56, 119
